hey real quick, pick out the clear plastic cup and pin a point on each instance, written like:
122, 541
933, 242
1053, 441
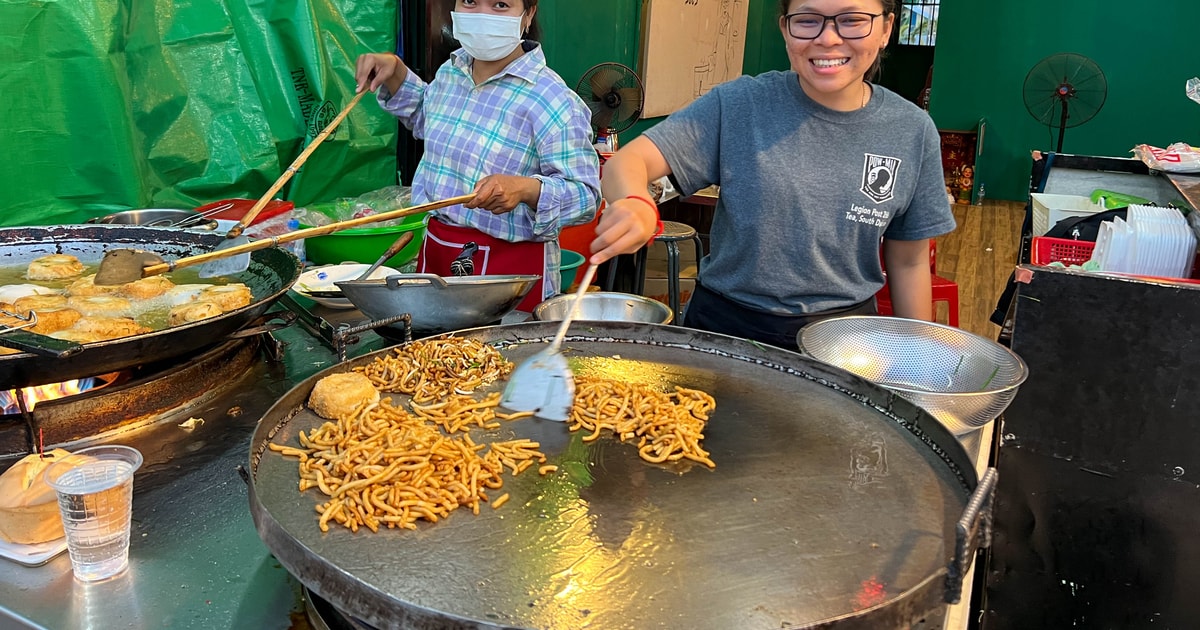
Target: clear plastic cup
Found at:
95, 498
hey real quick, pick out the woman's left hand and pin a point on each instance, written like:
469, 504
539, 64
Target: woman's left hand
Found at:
501, 193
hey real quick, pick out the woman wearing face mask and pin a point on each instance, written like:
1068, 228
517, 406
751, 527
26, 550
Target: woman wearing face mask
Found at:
497, 122
816, 166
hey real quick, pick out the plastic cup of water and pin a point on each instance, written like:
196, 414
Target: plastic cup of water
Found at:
95, 498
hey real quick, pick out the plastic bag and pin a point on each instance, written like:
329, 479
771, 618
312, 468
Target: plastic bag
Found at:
1177, 158
111, 104
374, 202
384, 200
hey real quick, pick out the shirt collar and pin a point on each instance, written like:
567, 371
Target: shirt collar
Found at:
525, 67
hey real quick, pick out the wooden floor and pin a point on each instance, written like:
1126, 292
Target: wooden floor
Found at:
980, 255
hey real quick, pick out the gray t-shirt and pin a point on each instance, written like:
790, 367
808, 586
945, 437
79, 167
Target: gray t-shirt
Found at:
806, 192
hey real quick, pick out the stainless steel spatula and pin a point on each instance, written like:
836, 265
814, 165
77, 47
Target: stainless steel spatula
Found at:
543, 383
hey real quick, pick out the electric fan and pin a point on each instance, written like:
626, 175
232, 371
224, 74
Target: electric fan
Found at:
614, 93
1065, 90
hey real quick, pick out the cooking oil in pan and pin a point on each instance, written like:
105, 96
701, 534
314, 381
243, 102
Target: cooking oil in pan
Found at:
151, 313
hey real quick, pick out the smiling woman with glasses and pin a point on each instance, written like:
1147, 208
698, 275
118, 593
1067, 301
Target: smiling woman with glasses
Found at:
817, 167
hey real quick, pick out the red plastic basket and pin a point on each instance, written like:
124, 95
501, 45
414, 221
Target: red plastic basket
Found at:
1047, 250
1068, 252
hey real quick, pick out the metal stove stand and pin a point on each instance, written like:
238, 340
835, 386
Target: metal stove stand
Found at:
195, 558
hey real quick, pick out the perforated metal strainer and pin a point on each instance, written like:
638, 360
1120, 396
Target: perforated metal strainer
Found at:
963, 380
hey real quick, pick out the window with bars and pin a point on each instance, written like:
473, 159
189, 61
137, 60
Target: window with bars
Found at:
918, 22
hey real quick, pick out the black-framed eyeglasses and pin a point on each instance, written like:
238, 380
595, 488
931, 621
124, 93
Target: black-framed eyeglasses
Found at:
849, 25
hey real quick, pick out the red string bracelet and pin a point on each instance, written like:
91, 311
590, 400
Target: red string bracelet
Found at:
658, 232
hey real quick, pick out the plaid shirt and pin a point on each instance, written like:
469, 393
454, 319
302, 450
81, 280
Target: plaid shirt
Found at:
523, 121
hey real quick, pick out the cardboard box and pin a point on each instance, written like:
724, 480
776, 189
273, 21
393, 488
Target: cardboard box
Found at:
656, 289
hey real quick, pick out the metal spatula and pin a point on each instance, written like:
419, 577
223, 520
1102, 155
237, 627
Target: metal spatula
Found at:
543, 383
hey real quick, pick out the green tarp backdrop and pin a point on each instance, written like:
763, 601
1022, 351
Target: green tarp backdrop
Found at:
117, 104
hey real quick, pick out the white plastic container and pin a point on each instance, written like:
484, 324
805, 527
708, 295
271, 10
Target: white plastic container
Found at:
1049, 209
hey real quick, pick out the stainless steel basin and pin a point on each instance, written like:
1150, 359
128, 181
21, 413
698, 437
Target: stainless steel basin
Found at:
158, 217
605, 306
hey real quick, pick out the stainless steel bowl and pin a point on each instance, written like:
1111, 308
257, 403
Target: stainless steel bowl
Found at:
609, 307
158, 217
963, 380
439, 304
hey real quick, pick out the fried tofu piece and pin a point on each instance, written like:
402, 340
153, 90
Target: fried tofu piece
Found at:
87, 286
8, 320
54, 267
102, 305
227, 296
184, 293
146, 288
338, 396
192, 312
55, 319
108, 327
39, 302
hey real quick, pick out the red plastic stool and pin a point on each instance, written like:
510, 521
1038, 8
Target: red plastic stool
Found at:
942, 290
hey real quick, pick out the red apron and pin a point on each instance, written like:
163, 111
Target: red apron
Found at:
444, 242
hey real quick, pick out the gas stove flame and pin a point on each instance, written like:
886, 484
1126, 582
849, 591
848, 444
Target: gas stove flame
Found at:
41, 393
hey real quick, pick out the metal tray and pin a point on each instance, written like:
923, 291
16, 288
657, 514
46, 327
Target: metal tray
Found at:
833, 503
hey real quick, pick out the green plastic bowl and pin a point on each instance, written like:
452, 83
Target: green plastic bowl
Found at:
365, 244
570, 262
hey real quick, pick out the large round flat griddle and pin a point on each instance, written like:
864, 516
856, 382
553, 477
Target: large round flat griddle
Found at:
833, 502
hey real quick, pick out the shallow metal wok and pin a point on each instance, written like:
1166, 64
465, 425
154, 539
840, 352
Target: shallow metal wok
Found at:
438, 304
272, 271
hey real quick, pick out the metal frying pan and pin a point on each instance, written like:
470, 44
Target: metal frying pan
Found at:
833, 503
271, 273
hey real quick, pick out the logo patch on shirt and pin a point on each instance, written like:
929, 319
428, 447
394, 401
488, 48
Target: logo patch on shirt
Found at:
879, 177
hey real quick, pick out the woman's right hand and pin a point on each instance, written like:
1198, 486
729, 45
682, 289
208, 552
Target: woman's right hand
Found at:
375, 69
631, 220
625, 226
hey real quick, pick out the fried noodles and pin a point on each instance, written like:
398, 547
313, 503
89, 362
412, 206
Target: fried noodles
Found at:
382, 467
666, 427
432, 369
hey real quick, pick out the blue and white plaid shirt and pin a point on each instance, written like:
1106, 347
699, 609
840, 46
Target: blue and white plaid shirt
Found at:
523, 121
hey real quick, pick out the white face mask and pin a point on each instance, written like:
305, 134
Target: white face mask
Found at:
486, 37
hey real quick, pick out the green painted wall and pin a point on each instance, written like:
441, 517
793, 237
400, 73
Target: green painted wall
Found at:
578, 35
985, 49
